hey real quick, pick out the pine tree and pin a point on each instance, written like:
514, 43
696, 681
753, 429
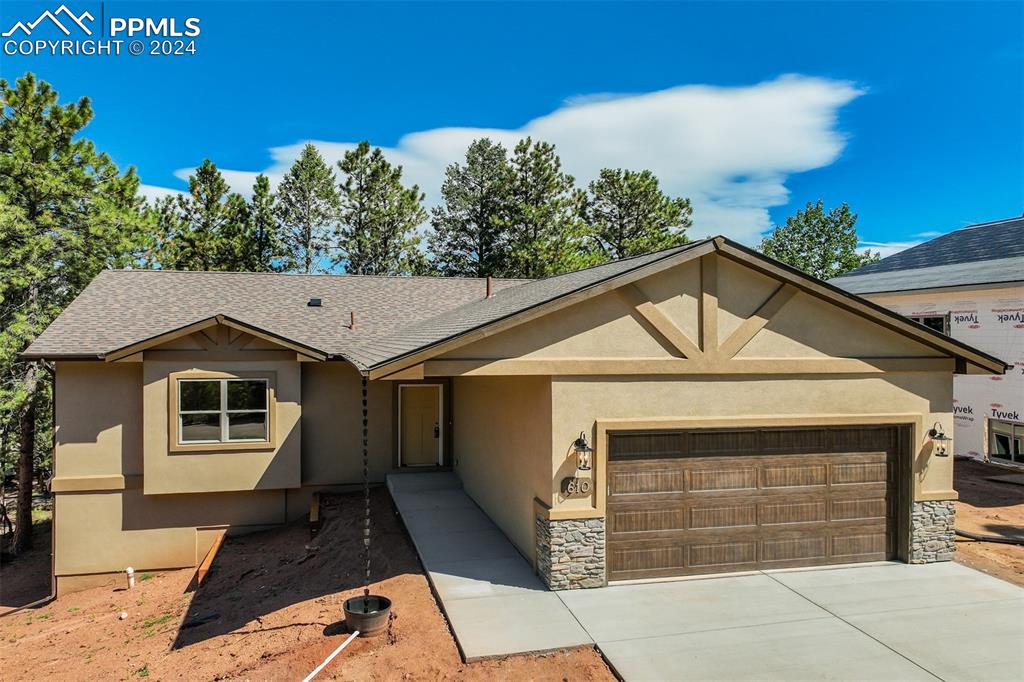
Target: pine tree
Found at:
266, 252
546, 235
379, 217
822, 244
629, 215
307, 208
204, 229
468, 238
66, 212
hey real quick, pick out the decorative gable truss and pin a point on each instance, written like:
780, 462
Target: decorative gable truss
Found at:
710, 315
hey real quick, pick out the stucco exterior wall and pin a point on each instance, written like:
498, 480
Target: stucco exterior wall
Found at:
332, 425
502, 428
579, 402
217, 470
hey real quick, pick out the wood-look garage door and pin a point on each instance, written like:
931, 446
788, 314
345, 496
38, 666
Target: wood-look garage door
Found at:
719, 500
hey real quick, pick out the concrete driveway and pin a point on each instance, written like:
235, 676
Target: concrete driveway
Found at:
878, 622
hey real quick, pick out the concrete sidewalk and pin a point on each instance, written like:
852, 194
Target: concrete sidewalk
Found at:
495, 604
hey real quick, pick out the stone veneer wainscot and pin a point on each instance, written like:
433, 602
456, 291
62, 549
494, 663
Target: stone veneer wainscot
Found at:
932, 536
570, 553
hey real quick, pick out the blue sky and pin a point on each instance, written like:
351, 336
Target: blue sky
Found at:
913, 113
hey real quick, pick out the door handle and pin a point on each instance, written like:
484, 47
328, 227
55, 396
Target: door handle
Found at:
437, 430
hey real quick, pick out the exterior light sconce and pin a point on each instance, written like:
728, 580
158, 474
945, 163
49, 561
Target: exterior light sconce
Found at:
940, 439
583, 451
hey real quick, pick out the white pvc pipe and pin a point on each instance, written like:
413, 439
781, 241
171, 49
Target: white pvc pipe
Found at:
330, 658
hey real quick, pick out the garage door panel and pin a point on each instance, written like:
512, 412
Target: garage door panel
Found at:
739, 515
794, 475
723, 478
790, 512
643, 519
802, 548
691, 513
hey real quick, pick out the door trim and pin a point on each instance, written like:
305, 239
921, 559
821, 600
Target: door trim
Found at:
440, 422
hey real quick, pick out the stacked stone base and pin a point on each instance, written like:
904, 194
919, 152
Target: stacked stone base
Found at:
570, 553
932, 536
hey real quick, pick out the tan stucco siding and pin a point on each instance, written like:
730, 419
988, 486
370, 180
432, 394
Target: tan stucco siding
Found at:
215, 470
579, 402
502, 428
332, 429
107, 531
99, 419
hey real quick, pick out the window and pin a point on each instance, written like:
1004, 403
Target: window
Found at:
939, 323
1006, 441
222, 411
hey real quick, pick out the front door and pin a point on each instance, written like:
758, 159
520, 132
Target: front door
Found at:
420, 425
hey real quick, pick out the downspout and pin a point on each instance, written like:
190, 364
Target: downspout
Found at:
52, 370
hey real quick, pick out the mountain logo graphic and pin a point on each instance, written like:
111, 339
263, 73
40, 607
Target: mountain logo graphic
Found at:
79, 20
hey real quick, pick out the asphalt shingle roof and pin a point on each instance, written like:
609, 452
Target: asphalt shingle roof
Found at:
394, 315
123, 307
973, 244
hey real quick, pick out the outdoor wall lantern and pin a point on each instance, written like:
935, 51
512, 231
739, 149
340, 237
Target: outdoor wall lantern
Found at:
583, 451
940, 439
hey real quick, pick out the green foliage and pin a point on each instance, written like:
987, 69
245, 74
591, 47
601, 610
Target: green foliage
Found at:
266, 250
546, 235
307, 208
206, 229
822, 244
468, 238
379, 216
66, 212
629, 215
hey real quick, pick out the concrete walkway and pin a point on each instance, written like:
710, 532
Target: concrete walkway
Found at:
877, 622
880, 622
494, 603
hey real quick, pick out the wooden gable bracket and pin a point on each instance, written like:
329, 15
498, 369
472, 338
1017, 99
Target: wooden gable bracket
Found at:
648, 312
749, 328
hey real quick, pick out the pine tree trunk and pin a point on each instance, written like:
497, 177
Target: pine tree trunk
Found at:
23, 531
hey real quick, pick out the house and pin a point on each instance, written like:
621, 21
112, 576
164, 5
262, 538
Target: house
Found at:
702, 409
968, 284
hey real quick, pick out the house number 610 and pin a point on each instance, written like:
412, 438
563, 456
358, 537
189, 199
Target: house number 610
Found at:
573, 485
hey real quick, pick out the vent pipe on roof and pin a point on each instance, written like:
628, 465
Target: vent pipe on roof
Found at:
490, 287
352, 319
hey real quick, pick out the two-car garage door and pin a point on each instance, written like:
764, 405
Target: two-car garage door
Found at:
717, 500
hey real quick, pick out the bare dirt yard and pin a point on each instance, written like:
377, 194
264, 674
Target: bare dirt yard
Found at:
989, 508
269, 610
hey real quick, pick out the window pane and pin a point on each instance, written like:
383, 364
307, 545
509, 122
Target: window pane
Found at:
199, 395
247, 426
200, 427
247, 395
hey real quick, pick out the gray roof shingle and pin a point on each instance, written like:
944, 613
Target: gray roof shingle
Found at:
394, 315
972, 244
123, 307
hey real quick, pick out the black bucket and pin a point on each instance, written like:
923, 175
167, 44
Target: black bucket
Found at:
369, 615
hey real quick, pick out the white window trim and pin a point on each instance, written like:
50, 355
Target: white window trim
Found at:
224, 412
945, 320
990, 433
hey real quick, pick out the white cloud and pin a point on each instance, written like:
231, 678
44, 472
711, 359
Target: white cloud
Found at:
730, 149
153, 192
886, 248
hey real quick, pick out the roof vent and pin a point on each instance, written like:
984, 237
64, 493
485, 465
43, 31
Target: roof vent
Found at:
314, 303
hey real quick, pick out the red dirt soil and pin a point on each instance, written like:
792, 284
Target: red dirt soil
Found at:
269, 610
989, 508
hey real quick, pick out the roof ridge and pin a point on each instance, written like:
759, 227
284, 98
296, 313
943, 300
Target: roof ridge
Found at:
687, 245
310, 274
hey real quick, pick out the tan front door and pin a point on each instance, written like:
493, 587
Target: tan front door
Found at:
420, 425
715, 501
